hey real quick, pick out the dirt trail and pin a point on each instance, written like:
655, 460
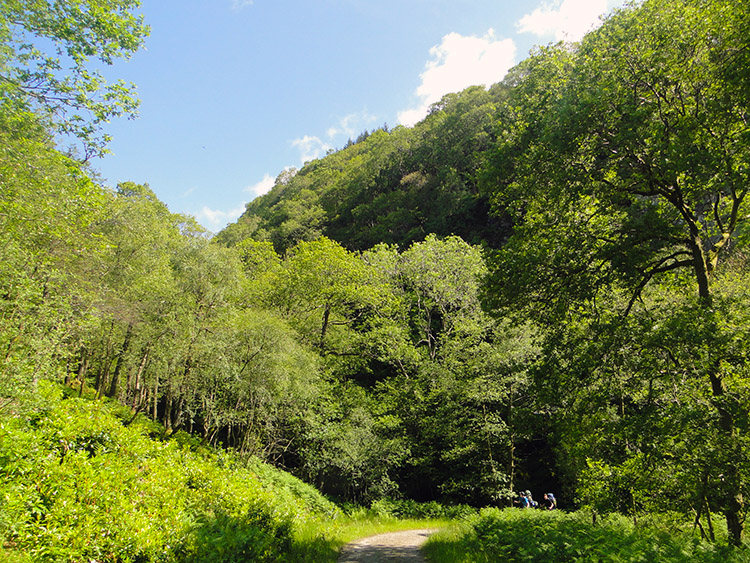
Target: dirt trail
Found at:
383, 548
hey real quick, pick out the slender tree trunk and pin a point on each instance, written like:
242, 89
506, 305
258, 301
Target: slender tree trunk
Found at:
710, 523
168, 411
731, 491
101, 376
82, 368
115, 382
731, 494
155, 399
701, 272
511, 445
138, 377
324, 327
178, 412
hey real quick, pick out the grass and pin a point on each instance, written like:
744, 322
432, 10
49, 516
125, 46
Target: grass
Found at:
321, 541
78, 485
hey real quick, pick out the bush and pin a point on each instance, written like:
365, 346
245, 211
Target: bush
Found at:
420, 510
514, 535
293, 490
77, 485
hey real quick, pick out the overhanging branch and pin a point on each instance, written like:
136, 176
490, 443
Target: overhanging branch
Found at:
666, 264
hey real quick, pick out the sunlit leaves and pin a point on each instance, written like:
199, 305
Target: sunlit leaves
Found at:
49, 57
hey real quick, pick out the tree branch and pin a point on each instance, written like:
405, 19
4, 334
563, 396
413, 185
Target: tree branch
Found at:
659, 268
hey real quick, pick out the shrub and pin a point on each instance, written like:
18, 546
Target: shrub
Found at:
77, 485
514, 535
406, 508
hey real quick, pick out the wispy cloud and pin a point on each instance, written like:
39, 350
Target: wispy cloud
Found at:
262, 187
215, 219
351, 125
457, 63
311, 147
567, 20
239, 4
347, 127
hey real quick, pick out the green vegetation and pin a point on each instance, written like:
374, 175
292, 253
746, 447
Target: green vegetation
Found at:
530, 535
391, 186
47, 63
82, 479
78, 484
543, 286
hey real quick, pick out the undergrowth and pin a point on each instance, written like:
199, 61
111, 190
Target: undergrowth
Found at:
82, 480
76, 484
515, 536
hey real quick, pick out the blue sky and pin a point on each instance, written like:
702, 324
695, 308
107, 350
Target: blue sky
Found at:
235, 91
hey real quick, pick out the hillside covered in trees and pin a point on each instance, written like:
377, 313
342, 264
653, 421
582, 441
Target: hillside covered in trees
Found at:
542, 285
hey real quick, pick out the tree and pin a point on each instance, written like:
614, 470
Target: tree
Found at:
457, 388
132, 272
48, 208
636, 174
255, 384
322, 288
48, 57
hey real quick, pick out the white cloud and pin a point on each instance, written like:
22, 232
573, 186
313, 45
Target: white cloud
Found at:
262, 187
215, 220
457, 63
351, 125
239, 4
567, 20
311, 147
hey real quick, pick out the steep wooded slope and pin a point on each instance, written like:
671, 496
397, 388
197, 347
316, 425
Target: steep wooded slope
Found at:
393, 186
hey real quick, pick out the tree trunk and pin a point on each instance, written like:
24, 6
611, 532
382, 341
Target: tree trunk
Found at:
114, 384
155, 399
101, 377
324, 327
178, 412
511, 445
731, 495
82, 367
137, 383
711, 534
168, 411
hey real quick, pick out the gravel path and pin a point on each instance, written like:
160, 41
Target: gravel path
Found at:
396, 546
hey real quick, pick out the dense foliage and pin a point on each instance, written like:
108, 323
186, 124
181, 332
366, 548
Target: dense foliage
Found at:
542, 285
77, 484
529, 535
392, 186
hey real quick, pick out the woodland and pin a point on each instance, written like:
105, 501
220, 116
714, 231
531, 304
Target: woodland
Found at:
545, 284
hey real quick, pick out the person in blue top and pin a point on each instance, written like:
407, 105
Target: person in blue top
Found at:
521, 501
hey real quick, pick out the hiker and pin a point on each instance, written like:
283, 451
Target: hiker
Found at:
532, 502
521, 501
549, 501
